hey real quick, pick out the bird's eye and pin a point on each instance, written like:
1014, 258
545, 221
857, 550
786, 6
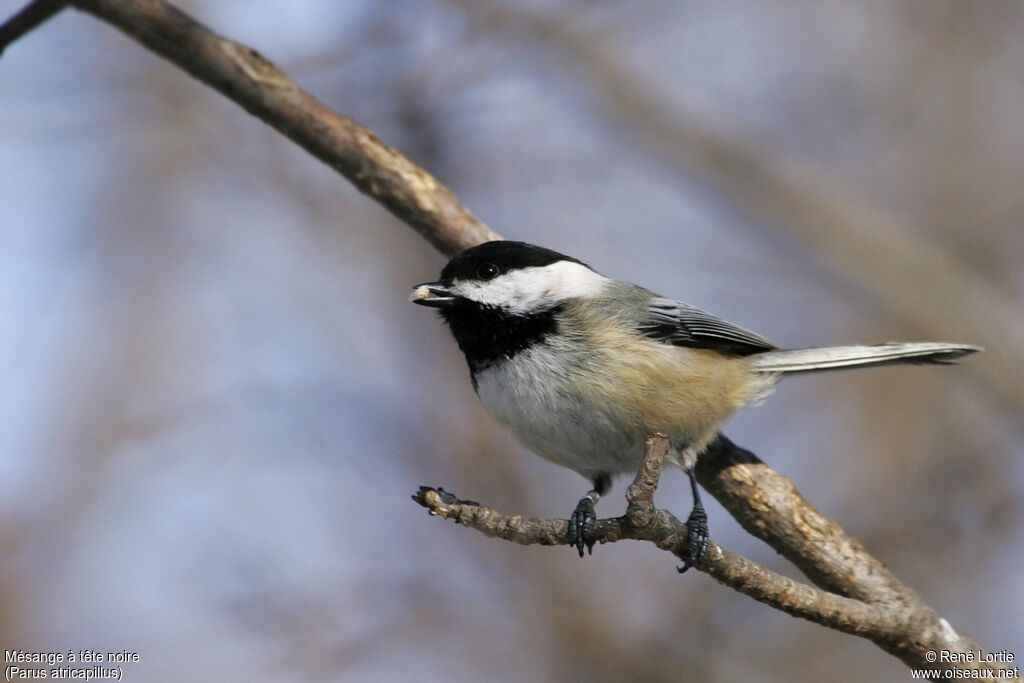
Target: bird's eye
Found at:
488, 271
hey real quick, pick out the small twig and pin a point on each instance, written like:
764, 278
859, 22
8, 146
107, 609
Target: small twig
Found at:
642, 520
27, 18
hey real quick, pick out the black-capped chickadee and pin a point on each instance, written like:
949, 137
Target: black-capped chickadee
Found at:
583, 368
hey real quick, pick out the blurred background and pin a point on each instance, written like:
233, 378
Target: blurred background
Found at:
216, 399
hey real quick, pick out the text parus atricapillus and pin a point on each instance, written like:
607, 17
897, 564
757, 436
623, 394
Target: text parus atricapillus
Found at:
582, 368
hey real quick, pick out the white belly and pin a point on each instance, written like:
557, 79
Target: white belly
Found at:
531, 398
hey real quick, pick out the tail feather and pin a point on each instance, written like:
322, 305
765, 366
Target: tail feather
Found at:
840, 357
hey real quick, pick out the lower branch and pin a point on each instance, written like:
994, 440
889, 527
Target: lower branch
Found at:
862, 597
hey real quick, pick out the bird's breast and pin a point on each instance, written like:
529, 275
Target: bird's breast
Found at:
592, 410
536, 396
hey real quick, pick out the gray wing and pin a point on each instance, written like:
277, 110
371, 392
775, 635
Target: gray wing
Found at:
676, 323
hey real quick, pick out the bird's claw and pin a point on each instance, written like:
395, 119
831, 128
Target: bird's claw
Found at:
581, 525
696, 538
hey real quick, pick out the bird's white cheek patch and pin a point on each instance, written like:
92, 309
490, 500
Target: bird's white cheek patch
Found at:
534, 289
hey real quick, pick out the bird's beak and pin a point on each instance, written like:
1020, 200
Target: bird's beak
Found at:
432, 294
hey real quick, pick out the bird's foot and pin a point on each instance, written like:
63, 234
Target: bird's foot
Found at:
581, 525
696, 537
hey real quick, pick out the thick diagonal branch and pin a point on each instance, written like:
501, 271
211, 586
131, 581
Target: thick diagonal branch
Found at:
28, 18
768, 505
246, 77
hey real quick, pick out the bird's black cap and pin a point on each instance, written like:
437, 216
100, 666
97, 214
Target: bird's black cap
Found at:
505, 255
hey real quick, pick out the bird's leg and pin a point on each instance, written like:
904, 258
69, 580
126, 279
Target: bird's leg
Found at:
696, 528
581, 522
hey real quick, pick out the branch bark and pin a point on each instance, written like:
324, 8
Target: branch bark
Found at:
857, 594
243, 75
864, 599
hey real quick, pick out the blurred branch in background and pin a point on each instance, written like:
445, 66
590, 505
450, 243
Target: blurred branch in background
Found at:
909, 273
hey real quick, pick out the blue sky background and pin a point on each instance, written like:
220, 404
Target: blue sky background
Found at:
217, 400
